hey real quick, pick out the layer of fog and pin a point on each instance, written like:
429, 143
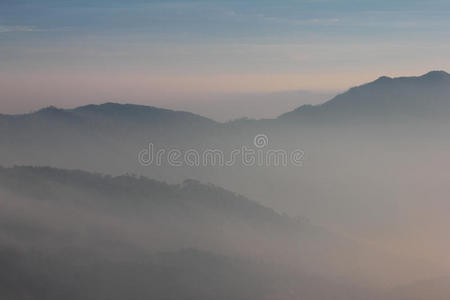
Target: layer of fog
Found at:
126, 220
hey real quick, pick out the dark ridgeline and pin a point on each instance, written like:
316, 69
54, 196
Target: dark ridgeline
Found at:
396, 97
426, 96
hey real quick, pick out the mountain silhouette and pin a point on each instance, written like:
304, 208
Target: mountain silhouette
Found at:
423, 96
426, 96
138, 113
352, 176
108, 113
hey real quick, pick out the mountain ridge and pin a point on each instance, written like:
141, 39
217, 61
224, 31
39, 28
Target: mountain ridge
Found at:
384, 95
128, 110
111, 110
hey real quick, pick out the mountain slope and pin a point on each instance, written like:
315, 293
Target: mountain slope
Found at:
189, 215
415, 96
60, 210
118, 112
111, 118
187, 274
77, 235
424, 96
94, 133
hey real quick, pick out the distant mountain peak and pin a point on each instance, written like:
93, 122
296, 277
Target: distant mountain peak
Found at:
52, 112
416, 95
117, 107
383, 79
436, 75
136, 112
430, 76
50, 109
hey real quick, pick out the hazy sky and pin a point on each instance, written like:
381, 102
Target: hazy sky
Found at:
68, 53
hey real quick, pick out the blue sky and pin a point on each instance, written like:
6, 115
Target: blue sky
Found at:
65, 51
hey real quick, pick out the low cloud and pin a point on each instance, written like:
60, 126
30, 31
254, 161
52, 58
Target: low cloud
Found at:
17, 28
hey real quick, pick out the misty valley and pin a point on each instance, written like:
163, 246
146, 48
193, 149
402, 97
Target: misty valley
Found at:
363, 215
